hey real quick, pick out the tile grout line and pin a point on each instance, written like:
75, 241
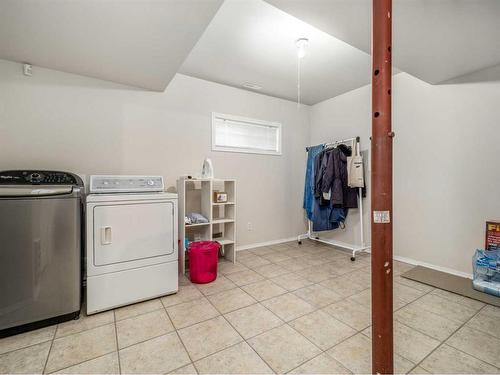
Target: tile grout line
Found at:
87, 360
141, 313
462, 326
297, 317
431, 312
50, 349
292, 292
481, 329
88, 329
251, 347
116, 339
446, 339
174, 371
287, 323
325, 351
229, 290
150, 338
335, 277
263, 306
284, 323
100, 325
206, 297
117, 346
347, 297
316, 356
24, 347
244, 340
315, 310
259, 302
266, 299
180, 340
361, 331
415, 329
339, 343
321, 351
298, 332
80, 332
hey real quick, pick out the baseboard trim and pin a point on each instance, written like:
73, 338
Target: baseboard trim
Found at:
396, 257
432, 266
267, 243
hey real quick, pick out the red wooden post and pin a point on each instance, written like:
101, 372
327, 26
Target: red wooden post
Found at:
381, 190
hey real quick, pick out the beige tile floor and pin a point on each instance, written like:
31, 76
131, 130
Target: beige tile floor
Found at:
281, 309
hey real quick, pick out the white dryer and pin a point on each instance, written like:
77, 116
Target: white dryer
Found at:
131, 241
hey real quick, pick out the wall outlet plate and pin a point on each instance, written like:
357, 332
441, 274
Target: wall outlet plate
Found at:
27, 70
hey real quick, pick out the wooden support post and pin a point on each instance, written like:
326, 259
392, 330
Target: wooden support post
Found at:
381, 190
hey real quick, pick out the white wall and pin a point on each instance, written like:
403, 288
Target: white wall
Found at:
446, 149
446, 154
345, 116
60, 121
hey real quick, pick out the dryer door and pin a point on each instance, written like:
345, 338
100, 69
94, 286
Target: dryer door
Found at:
129, 232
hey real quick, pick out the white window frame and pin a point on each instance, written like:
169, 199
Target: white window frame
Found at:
250, 121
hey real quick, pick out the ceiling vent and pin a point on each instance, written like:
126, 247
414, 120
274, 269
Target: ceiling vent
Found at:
252, 86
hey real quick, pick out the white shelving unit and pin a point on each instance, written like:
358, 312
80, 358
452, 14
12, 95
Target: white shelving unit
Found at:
196, 195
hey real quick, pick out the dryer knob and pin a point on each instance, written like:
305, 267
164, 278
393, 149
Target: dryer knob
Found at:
151, 182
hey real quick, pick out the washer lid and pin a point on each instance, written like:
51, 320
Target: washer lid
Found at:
34, 191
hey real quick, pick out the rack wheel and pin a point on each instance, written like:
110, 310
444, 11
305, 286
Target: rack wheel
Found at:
299, 242
353, 259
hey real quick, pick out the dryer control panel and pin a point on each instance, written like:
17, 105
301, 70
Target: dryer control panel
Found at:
125, 184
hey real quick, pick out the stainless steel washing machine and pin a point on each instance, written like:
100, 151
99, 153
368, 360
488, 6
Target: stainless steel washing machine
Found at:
40, 249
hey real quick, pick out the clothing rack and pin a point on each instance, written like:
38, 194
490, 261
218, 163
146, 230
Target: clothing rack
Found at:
330, 144
343, 245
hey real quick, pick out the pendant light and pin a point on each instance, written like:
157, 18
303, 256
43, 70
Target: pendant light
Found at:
301, 45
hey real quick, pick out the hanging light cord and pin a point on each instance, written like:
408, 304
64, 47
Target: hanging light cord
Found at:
301, 45
298, 82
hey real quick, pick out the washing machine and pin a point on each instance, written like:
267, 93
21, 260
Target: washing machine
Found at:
131, 247
40, 249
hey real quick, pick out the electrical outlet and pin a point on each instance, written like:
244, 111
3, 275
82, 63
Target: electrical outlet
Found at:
249, 226
27, 70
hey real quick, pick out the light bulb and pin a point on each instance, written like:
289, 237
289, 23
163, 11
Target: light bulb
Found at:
301, 45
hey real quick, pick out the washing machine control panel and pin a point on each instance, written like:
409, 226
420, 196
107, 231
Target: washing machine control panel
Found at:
35, 177
125, 184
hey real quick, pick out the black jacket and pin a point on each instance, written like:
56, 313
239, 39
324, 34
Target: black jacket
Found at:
331, 175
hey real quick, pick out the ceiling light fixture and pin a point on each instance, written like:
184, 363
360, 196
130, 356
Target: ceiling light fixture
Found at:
252, 86
301, 45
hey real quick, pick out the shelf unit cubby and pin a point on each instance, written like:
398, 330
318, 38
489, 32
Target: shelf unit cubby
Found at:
197, 195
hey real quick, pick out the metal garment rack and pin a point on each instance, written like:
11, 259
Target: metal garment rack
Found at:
344, 245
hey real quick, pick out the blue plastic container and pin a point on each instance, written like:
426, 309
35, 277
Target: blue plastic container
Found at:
486, 267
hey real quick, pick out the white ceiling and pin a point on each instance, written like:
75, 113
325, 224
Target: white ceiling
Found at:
252, 41
434, 40
135, 42
143, 43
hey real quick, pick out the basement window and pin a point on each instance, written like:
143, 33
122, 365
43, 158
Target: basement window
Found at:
240, 134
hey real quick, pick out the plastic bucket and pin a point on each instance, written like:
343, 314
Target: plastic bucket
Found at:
203, 258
